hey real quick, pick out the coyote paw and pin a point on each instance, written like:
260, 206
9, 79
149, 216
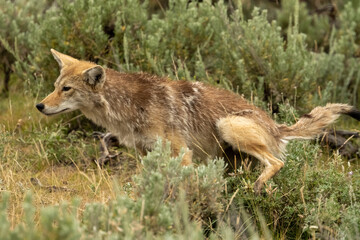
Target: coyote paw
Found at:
258, 186
106, 140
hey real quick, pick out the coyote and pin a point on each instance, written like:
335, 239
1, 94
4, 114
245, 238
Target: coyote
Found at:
138, 108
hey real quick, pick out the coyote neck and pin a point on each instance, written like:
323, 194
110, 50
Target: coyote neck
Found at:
115, 109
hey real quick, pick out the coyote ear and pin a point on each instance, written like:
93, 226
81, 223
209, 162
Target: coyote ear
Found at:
63, 59
94, 76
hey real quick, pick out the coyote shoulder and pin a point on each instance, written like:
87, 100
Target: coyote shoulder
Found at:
138, 108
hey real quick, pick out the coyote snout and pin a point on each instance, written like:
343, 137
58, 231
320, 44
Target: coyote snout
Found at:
56, 102
40, 107
49, 110
138, 108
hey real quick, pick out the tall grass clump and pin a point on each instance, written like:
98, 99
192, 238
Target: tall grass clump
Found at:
17, 18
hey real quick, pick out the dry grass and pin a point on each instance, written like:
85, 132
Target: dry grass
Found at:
28, 165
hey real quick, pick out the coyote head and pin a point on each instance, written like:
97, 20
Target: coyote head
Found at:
77, 83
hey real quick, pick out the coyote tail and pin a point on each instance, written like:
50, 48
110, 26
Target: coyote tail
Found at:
313, 123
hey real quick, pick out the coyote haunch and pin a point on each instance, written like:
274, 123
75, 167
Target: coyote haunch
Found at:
138, 108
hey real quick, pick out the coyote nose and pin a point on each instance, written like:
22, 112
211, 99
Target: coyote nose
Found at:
40, 106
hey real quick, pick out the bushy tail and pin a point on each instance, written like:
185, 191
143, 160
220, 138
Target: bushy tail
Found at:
313, 123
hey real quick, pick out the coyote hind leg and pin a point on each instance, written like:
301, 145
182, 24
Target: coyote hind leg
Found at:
272, 166
247, 136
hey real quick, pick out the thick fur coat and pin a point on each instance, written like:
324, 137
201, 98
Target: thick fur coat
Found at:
138, 108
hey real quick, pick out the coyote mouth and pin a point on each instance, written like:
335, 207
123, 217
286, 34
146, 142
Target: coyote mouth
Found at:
49, 114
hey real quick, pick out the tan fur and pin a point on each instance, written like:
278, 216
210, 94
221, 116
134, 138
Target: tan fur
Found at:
138, 108
313, 123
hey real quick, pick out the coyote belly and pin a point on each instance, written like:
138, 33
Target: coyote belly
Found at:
138, 108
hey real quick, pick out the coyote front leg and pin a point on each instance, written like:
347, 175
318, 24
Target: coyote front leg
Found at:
177, 143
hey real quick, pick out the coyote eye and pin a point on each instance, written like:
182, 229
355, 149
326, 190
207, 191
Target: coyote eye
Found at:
64, 89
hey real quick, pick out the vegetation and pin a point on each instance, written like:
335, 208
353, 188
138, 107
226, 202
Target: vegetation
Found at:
285, 58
